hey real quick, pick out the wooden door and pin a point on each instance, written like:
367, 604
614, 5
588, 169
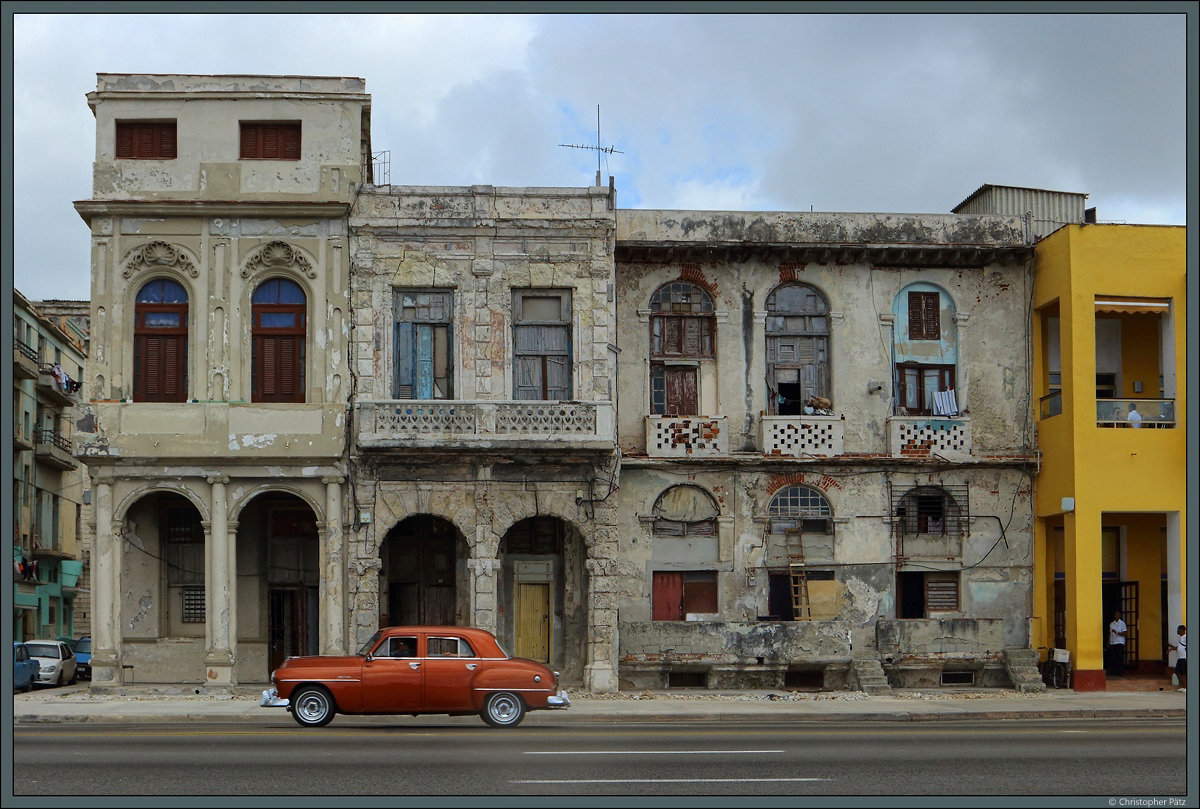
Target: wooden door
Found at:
532, 621
681, 391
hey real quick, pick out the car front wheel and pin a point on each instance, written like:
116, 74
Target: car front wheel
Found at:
503, 710
62, 678
312, 707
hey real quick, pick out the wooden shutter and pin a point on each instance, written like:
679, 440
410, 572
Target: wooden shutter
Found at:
699, 592
405, 372
924, 321
270, 141
290, 136
125, 136
681, 391
667, 597
249, 147
941, 593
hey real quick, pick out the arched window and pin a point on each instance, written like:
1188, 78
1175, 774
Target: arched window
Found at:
682, 332
925, 351
160, 359
801, 510
931, 510
685, 511
797, 350
278, 354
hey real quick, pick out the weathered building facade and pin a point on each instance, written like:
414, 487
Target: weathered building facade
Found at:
218, 383
651, 448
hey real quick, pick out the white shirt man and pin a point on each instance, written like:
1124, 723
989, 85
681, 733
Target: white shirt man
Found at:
1134, 418
1116, 644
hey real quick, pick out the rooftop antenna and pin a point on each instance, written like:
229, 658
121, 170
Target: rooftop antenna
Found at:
598, 149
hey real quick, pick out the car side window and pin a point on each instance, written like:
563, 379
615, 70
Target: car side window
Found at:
449, 647
399, 647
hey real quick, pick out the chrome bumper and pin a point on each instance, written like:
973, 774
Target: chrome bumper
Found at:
559, 700
271, 700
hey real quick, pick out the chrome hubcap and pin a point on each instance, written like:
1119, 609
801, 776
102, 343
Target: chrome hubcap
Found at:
503, 708
312, 707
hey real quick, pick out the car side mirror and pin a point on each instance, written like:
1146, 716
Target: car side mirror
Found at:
369, 658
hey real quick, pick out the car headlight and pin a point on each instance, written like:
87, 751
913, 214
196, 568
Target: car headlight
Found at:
47, 669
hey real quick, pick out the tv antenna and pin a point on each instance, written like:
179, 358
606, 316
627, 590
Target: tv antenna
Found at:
598, 149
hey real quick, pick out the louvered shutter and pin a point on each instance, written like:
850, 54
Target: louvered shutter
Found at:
125, 137
152, 375
404, 361
291, 142
924, 322
249, 146
166, 141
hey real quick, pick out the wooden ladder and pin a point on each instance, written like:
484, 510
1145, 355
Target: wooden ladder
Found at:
801, 608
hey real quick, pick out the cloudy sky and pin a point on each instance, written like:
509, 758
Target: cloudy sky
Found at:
906, 113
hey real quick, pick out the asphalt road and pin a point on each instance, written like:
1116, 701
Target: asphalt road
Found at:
996, 757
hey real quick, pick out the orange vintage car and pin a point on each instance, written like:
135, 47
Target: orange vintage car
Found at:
417, 670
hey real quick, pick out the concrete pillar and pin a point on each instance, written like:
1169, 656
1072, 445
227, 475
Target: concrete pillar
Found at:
484, 591
1176, 565
600, 672
1084, 570
333, 572
106, 595
220, 598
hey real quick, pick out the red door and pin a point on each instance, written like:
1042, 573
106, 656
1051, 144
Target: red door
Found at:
393, 684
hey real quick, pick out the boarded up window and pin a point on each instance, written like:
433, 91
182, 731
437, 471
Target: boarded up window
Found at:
146, 140
685, 511
797, 348
278, 353
422, 357
270, 141
677, 594
542, 345
924, 318
160, 343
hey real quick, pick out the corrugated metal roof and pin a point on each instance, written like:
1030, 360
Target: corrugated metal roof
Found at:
989, 186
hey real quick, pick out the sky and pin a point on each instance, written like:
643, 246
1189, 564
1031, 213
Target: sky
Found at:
885, 113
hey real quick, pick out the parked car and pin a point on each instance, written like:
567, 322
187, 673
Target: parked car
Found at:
25, 668
82, 647
55, 659
416, 670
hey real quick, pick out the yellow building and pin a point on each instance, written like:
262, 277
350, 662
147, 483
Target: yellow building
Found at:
1109, 371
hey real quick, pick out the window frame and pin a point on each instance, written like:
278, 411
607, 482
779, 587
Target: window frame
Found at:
289, 143
161, 140
924, 315
814, 331
706, 585
681, 313
946, 381
427, 328
523, 328
176, 342
296, 334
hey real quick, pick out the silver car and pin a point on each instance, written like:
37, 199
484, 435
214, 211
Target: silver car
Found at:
56, 661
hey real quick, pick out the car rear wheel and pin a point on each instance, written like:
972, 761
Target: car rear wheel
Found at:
503, 710
312, 707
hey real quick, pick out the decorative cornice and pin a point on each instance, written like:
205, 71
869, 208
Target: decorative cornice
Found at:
330, 209
277, 256
159, 254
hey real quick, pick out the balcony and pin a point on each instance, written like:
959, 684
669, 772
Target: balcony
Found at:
25, 361
48, 386
484, 425
803, 436
929, 437
1150, 413
52, 449
687, 436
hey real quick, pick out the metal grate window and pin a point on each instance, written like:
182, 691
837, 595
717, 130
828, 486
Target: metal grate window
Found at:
940, 510
193, 605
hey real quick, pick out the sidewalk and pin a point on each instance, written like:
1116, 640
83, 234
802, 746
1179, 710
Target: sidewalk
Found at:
77, 704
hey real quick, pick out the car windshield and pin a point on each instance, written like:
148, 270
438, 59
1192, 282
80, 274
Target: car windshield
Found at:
42, 649
84, 646
369, 645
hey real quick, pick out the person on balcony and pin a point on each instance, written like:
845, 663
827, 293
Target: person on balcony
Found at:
1134, 418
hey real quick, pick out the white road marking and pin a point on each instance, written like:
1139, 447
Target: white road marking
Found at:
642, 752
667, 780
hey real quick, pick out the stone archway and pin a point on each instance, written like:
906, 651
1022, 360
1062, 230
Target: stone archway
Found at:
422, 563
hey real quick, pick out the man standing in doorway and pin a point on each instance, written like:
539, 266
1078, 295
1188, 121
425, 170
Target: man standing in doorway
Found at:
1116, 645
1181, 659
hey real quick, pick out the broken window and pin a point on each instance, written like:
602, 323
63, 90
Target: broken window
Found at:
146, 140
682, 332
677, 594
278, 344
160, 332
926, 390
923, 594
932, 510
422, 345
797, 351
685, 511
542, 345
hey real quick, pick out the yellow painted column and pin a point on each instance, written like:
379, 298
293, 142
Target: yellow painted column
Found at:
1042, 629
1143, 564
1085, 636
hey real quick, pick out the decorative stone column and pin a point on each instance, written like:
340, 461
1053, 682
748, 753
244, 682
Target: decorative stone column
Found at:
220, 598
333, 572
106, 594
600, 673
484, 591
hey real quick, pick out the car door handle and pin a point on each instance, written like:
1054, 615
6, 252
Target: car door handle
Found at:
471, 666
414, 665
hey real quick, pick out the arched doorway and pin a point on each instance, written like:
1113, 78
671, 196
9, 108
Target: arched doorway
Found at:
420, 561
543, 594
278, 582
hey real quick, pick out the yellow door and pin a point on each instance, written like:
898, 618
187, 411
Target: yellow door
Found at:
532, 621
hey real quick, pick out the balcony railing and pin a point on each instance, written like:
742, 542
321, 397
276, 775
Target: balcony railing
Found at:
687, 436
929, 437
1135, 413
1050, 404
803, 436
25, 361
51, 447
49, 386
467, 424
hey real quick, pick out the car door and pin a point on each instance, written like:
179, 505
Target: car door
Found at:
450, 666
392, 676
